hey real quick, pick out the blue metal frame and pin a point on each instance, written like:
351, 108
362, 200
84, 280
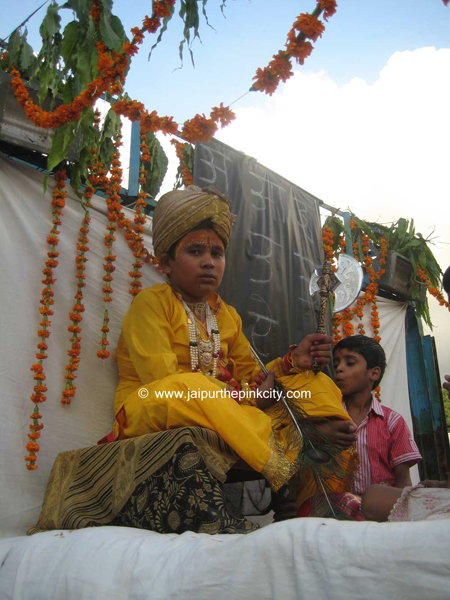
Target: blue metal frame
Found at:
133, 179
425, 400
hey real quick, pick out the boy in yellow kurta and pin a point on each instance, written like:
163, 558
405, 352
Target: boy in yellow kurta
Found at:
182, 355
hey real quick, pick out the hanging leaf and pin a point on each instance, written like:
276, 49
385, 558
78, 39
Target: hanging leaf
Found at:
157, 167
63, 138
70, 41
112, 31
80, 8
402, 228
162, 30
111, 125
13, 48
45, 75
51, 24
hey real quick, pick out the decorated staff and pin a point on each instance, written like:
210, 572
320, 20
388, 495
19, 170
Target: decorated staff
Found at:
345, 283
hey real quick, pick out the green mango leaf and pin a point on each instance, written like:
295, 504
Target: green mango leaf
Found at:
83, 68
27, 58
422, 259
157, 167
13, 49
107, 5
110, 126
402, 228
112, 31
45, 75
162, 30
106, 152
70, 42
63, 138
51, 23
68, 93
80, 8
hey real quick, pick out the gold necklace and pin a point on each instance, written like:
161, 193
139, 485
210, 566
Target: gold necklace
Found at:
199, 310
203, 351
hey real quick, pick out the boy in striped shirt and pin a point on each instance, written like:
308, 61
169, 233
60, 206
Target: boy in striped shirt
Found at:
385, 445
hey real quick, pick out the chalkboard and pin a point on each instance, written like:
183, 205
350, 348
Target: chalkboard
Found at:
275, 246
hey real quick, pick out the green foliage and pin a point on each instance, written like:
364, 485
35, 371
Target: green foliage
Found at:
190, 15
20, 53
446, 398
63, 138
67, 63
157, 168
402, 238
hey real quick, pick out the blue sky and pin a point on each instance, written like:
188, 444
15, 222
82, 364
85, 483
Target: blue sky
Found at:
357, 42
364, 124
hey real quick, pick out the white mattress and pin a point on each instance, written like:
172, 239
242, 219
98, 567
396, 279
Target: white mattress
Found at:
299, 559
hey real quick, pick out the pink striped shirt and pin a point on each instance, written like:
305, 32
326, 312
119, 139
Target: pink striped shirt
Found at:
384, 441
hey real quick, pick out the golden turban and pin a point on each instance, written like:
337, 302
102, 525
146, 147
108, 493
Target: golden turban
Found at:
180, 211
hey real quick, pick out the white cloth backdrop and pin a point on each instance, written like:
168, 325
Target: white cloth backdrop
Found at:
25, 223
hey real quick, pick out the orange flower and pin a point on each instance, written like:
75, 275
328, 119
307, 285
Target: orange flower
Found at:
160, 10
151, 25
299, 49
199, 129
265, 81
310, 26
329, 7
223, 114
280, 66
95, 11
130, 49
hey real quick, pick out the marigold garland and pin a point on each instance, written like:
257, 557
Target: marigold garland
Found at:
78, 307
112, 67
186, 174
306, 26
112, 191
38, 396
344, 320
435, 292
97, 177
139, 220
327, 237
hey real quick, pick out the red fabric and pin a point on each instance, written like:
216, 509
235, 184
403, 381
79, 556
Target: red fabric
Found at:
344, 502
384, 441
121, 420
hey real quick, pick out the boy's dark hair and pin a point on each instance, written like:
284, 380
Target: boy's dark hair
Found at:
208, 224
369, 349
446, 281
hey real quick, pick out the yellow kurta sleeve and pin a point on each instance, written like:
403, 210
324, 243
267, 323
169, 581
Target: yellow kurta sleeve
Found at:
149, 337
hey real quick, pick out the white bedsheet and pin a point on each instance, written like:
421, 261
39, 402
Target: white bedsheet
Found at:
300, 559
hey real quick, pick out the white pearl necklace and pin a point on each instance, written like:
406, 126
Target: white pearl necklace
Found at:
194, 336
